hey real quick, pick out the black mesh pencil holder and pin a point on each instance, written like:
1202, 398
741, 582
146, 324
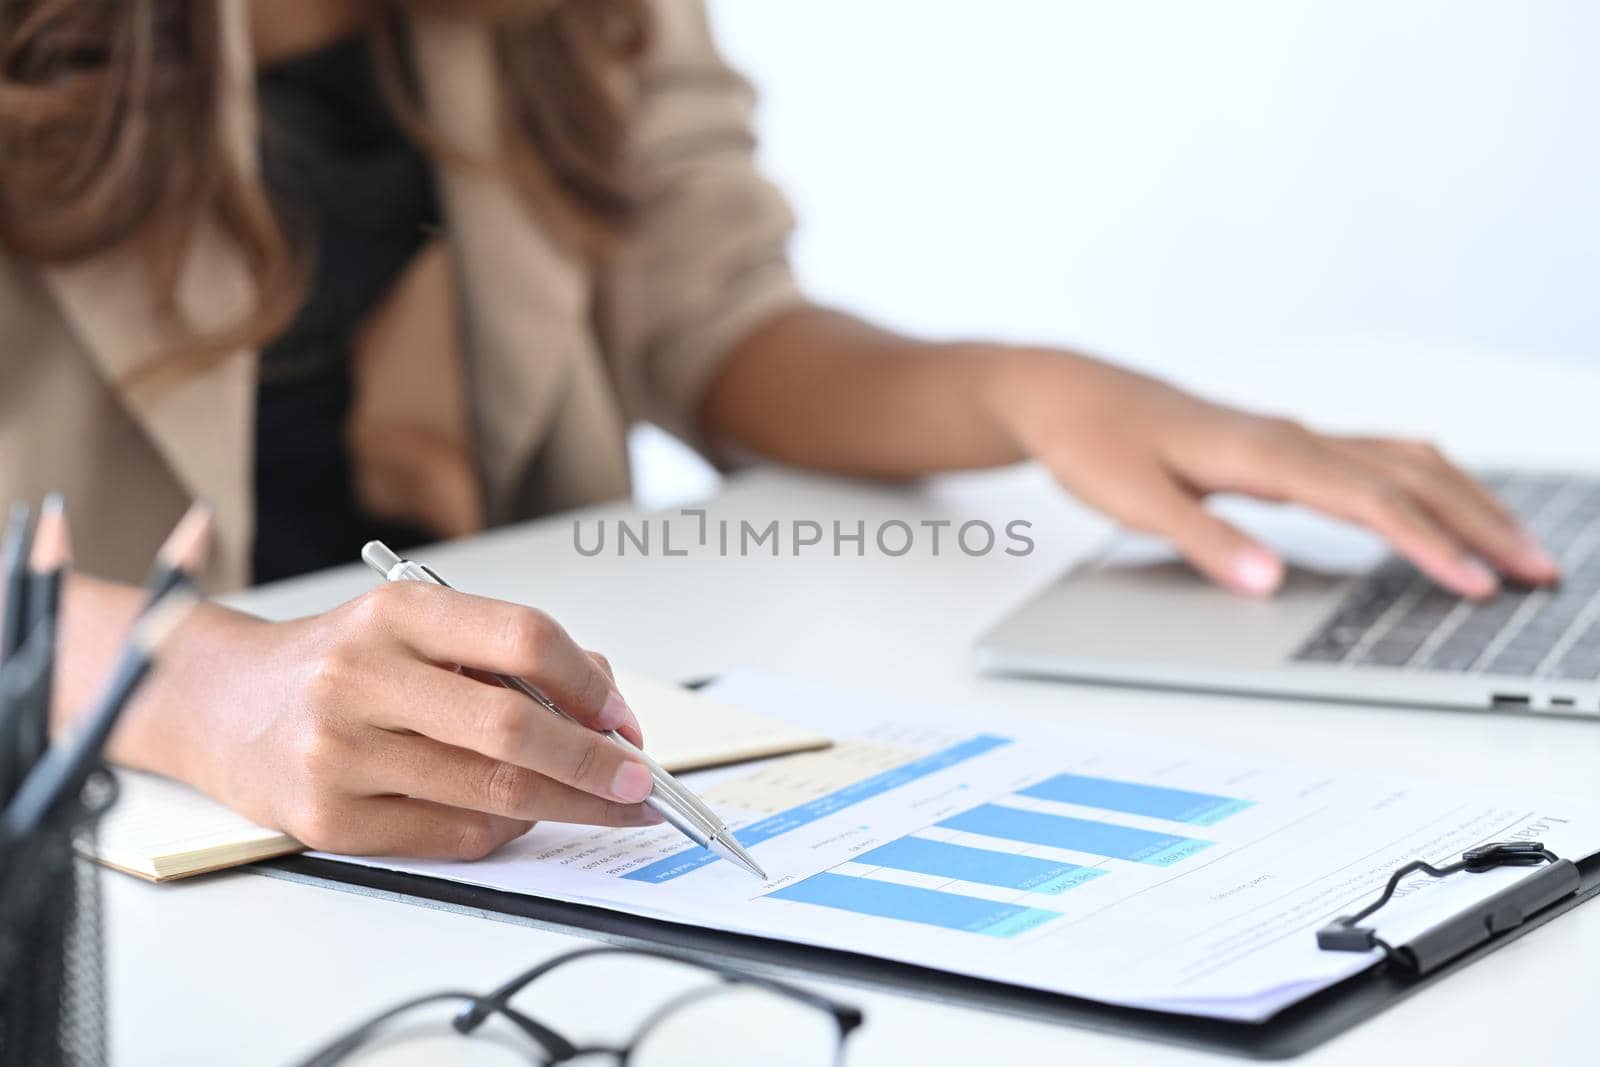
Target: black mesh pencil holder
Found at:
52, 1002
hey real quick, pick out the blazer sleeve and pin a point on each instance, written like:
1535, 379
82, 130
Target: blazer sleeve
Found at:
704, 263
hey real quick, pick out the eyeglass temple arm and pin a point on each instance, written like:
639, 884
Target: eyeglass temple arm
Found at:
480, 1009
848, 1017
335, 1052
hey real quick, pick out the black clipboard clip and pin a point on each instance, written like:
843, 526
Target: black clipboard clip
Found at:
1505, 910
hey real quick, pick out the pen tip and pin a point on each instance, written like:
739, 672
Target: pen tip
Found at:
731, 850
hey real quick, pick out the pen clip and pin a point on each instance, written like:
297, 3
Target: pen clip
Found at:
430, 572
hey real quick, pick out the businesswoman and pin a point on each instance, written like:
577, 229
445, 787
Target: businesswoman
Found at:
357, 267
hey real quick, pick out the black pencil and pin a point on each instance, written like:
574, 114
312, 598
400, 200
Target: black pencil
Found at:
14, 605
182, 555
58, 779
21, 677
18, 671
47, 562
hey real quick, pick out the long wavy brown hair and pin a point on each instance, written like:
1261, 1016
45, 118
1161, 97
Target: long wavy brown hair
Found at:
110, 135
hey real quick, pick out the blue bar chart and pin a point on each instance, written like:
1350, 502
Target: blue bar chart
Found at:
1135, 798
997, 866
1080, 835
980, 865
889, 900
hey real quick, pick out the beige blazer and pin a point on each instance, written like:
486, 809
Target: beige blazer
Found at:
499, 354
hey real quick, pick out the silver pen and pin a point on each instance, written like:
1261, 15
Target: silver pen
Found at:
677, 805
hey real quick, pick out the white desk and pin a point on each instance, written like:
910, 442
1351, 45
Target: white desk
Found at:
243, 969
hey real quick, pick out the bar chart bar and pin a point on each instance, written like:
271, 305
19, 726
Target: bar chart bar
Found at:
1080, 835
887, 900
1134, 798
983, 866
676, 866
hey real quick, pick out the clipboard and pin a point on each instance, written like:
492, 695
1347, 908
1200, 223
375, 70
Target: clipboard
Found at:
1293, 1031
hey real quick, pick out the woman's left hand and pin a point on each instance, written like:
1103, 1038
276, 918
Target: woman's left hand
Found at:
1148, 454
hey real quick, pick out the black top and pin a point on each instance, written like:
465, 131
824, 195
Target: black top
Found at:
356, 192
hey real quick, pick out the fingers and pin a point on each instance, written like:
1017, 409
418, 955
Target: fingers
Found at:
1222, 552
1321, 478
1427, 509
453, 628
1282, 461
415, 766
386, 826
1459, 503
630, 729
506, 726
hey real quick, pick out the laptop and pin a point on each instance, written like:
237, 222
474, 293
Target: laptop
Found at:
1351, 623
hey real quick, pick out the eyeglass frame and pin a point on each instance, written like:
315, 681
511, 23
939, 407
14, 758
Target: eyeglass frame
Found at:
478, 1009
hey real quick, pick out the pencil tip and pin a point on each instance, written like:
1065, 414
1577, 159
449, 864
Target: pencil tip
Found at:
186, 546
52, 547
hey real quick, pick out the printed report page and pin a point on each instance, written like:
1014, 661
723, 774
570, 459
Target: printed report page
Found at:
1111, 866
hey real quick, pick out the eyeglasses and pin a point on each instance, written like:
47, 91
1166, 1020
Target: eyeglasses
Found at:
678, 1012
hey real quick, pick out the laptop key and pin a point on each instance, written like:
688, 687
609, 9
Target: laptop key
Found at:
1391, 653
1453, 656
1578, 669
1582, 660
1322, 652
1516, 663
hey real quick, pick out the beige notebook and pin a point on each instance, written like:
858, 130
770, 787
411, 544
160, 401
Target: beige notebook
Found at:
160, 829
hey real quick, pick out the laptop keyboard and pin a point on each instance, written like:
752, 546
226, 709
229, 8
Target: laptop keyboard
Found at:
1397, 617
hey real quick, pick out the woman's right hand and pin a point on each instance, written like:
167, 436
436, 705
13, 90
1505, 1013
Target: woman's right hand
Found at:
354, 732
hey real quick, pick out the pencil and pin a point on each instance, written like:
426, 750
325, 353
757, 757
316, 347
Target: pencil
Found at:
182, 555
51, 554
18, 663
14, 608
21, 676
177, 564
58, 779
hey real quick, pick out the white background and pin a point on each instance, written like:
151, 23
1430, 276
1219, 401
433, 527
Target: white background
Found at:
1233, 194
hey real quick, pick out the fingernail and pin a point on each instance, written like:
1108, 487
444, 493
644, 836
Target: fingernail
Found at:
651, 817
614, 713
1256, 572
632, 782
1479, 580
633, 721
1534, 556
